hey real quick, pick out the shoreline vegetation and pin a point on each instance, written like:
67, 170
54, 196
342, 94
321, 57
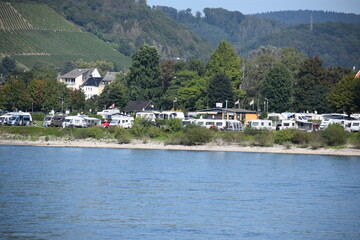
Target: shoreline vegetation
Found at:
173, 136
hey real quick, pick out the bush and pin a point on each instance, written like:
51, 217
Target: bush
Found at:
81, 133
174, 125
316, 141
356, 140
334, 135
140, 127
38, 116
154, 131
96, 132
301, 137
264, 139
233, 137
283, 136
196, 135
122, 135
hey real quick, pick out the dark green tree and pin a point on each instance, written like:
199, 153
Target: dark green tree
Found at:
196, 65
167, 69
9, 64
342, 97
92, 105
144, 80
220, 90
357, 94
225, 60
77, 100
310, 88
15, 95
277, 88
187, 92
114, 93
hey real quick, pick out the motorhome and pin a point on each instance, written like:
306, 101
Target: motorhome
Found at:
4, 119
259, 124
80, 121
121, 121
222, 125
335, 118
19, 119
53, 120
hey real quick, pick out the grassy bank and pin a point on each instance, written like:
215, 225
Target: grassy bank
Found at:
171, 132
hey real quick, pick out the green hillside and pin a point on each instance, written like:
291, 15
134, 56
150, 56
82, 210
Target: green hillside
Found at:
131, 23
334, 43
305, 16
33, 33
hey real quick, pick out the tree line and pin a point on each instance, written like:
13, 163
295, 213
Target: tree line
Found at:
283, 77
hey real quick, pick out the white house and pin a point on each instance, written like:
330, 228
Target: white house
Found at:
77, 77
91, 87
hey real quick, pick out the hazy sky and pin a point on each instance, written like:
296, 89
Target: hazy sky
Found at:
259, 6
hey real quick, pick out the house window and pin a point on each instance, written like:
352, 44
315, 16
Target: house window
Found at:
70, 80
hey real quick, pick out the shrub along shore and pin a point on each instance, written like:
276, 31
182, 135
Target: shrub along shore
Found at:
172, 133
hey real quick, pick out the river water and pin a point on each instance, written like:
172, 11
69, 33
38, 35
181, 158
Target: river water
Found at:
88, 193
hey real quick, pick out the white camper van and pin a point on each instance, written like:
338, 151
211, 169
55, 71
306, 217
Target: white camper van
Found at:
19, 119
353, 126
121, 121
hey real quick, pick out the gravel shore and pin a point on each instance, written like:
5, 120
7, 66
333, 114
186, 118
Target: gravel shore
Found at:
161, 146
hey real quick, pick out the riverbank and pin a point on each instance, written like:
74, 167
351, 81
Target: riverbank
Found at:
156, 145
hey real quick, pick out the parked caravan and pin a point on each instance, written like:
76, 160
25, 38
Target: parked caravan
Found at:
19, 119
165, 115
148, 115
259, 124
286, 124
122, 121
53, 121
222, 125
74, 121
90, 121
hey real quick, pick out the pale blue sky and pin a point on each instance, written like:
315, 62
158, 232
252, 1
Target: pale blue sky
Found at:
259, 6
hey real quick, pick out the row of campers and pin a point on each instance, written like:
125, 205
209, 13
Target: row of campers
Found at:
16, 119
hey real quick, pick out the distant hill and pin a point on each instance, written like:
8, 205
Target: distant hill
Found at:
336, 43
128, 24
304, 16
220, 24
33, 33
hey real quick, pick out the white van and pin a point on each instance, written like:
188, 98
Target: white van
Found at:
4, 119
19, 119
353, 126
259, 124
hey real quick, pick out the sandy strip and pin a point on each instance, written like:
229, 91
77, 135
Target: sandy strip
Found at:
160, 146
